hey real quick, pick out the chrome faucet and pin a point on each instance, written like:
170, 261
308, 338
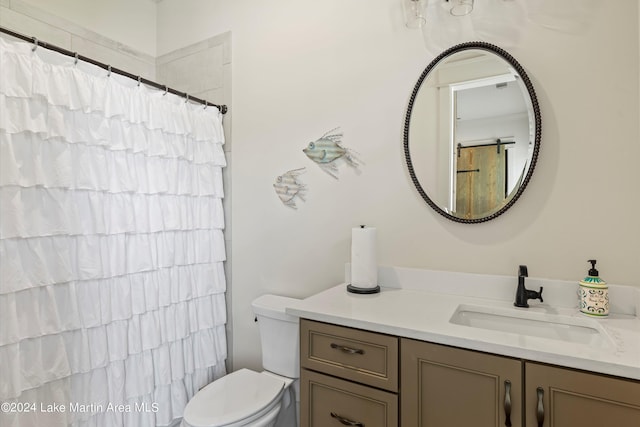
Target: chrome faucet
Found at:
523, 294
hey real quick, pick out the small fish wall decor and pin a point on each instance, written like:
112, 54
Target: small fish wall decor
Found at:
328, 149
289, 188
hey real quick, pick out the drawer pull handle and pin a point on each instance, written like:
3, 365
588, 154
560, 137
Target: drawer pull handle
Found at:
346, 349
346, 421
540, 409
507, 403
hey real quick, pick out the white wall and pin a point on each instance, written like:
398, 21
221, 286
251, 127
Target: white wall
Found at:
302, 68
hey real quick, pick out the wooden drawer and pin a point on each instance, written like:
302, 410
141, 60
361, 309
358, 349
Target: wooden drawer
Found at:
366, 357
332, 402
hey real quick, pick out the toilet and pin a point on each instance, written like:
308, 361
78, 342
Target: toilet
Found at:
257, 399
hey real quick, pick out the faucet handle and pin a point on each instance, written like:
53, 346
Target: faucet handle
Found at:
529, 294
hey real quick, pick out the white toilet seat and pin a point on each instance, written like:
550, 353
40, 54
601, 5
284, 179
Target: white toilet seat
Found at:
235, 400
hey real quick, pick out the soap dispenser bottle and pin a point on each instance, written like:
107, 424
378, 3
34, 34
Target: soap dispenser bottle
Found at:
594, 293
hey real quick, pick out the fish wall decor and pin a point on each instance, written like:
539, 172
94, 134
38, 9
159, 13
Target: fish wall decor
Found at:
328, 149
289, 188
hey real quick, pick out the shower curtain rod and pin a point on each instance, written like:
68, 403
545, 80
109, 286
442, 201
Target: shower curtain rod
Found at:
39, 43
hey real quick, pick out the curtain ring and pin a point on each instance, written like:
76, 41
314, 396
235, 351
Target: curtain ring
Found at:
75, 55
35, 44
109, 71
166, 90
139, 80
187, 98
206, 104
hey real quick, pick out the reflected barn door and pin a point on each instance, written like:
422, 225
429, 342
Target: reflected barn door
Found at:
481, 180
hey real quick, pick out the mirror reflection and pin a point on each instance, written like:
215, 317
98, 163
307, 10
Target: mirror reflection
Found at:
472, 132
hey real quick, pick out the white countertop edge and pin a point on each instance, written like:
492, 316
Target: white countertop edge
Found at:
470, 344
317, 309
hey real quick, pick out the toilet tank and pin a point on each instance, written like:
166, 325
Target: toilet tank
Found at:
279, 335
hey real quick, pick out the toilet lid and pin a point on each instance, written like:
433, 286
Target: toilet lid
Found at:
232, 398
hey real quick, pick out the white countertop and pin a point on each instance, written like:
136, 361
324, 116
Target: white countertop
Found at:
418, 312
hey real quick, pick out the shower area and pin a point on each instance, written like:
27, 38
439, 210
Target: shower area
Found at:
112, 280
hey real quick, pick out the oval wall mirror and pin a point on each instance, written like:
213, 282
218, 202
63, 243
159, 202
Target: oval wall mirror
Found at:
472, 132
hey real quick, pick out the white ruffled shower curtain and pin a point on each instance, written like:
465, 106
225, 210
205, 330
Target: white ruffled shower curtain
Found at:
112, 308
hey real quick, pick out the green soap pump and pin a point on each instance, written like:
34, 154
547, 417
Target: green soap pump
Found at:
594, 293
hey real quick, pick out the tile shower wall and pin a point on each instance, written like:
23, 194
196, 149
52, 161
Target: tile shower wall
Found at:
202, 70
22, 17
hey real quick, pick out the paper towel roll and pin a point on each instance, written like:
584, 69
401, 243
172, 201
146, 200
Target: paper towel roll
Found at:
364, 262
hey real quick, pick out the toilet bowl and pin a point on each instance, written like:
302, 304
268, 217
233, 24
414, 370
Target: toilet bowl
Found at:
256, 399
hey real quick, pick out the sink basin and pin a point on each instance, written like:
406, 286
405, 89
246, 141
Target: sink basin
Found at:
551, 326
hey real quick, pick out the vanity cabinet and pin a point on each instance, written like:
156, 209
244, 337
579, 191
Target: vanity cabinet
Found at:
455, 387
446, 386
564, 397
347, 377
359, 378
